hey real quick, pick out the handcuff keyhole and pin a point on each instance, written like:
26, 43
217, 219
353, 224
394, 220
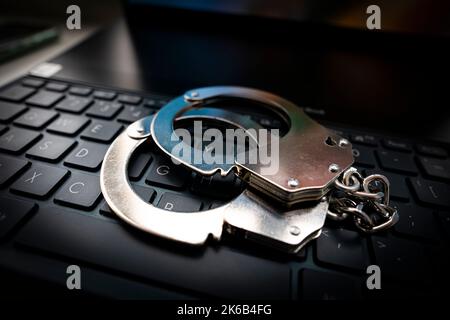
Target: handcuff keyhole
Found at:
331, 142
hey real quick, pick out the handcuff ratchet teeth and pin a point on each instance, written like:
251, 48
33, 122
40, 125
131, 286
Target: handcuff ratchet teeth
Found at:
272, 210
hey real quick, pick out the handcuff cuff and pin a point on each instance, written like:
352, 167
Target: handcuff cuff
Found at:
315, 179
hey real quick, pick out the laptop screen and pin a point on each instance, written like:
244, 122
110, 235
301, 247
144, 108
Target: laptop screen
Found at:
402, 16
368, 78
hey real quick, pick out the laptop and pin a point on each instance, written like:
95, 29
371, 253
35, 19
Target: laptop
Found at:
384, 90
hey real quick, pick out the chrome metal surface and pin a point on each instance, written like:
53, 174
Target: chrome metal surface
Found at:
288, 230
193, 228
285, 230
306, 151
313, 161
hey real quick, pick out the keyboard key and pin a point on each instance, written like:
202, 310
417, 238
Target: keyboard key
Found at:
155, 103
416, 221
431, 192
435, 168
432, 151
101, 131
104, 95
131, 114
9, 110
125, 98
10, 167
398, 258
12, 212
106, 244
36, 118
216, 186
342, 248
87, 156
145, 193
444, 217
80, 191
51, 148
17, 140
39, 181
138, 165
56, 86
45, 99
106, 211
396, 161
68, 124
152, 103
398, 186
397, 145
366, 139
173, 202
34, 83
397, 182
364, 156
74, 104
339, 132
16, 93
162, 102
80, 91
166, 174
318, 285
104, 109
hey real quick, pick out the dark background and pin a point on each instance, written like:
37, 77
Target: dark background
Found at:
317, 53
393, 80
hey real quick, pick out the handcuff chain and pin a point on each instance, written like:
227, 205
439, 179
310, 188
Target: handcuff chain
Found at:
365, 199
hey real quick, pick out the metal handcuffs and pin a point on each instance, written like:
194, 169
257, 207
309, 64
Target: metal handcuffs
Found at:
285, 210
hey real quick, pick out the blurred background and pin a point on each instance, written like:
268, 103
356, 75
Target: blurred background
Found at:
317, 53
402, 16
22, 18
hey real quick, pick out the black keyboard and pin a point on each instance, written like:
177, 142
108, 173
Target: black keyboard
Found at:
53, 137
